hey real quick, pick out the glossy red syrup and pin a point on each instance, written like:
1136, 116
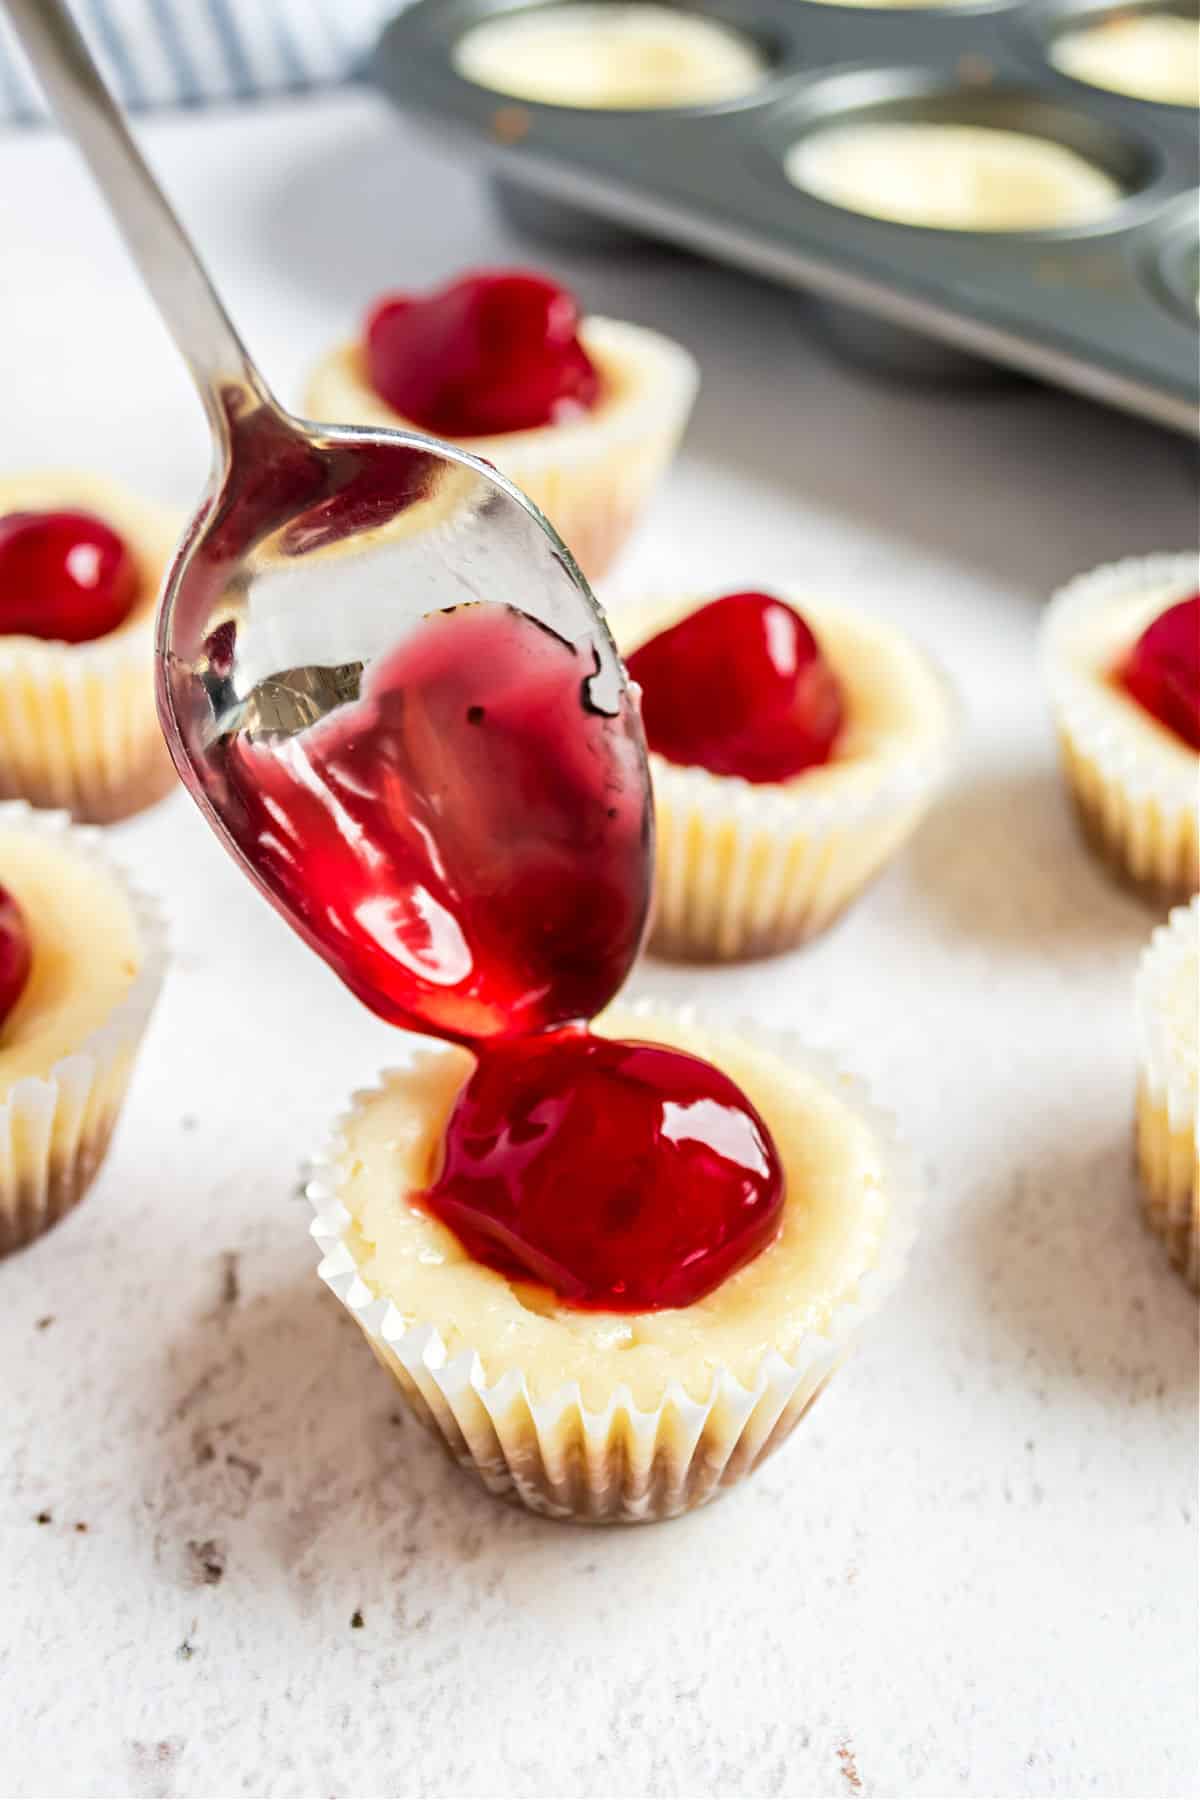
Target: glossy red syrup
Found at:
63, 575
16, 954
739, 687
1162, 671
495, 351
466, 842
625, 1177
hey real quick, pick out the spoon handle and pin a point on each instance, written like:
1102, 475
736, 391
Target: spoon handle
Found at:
160, 248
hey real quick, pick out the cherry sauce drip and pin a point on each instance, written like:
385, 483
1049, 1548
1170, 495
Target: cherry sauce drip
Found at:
466, 841
622, 1176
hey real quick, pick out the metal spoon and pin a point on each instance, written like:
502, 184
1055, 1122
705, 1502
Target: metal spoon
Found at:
315, 550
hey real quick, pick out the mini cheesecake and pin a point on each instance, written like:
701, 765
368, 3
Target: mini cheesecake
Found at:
748, 867
89, 954
1134, 776
599, 405
1168, 1121
612, 1416
78, 727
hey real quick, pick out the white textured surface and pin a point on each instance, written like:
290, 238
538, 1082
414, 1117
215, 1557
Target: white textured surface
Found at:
974, 1571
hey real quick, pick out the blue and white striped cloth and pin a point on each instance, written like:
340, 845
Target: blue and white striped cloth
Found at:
190, 52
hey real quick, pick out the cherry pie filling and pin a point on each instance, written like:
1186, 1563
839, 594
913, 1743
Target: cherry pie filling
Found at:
64, 575
1162, 670
740, 687
467, 843
494, 351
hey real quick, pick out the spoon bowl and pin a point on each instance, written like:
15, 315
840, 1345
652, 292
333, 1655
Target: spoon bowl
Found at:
315, 552
315, 557
320, 558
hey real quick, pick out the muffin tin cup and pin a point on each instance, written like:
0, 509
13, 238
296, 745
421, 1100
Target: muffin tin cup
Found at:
55, 1129
564, 227
1040, 24
621, 1462
1169, 260
1081, 305
1138, 813
1168, 1127
906, 357
592, 476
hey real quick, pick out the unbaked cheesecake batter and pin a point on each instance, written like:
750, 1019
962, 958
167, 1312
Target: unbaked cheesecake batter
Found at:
1150, 56
956, 177
609, 56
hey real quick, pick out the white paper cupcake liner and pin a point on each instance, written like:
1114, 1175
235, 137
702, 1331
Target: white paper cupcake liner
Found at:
744, 872
1136, 799
55, 1129
592, 476
618, 1462
1168, 1123
78, 727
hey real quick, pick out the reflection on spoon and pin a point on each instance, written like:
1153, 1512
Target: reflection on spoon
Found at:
465, 840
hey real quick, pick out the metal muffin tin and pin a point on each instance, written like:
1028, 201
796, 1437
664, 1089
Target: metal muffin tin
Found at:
1108, 308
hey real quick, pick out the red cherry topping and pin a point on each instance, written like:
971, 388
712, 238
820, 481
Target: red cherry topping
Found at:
495, 351
63, 575
739, 688
465, 839
16, 953
1162, 671
622, 1176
